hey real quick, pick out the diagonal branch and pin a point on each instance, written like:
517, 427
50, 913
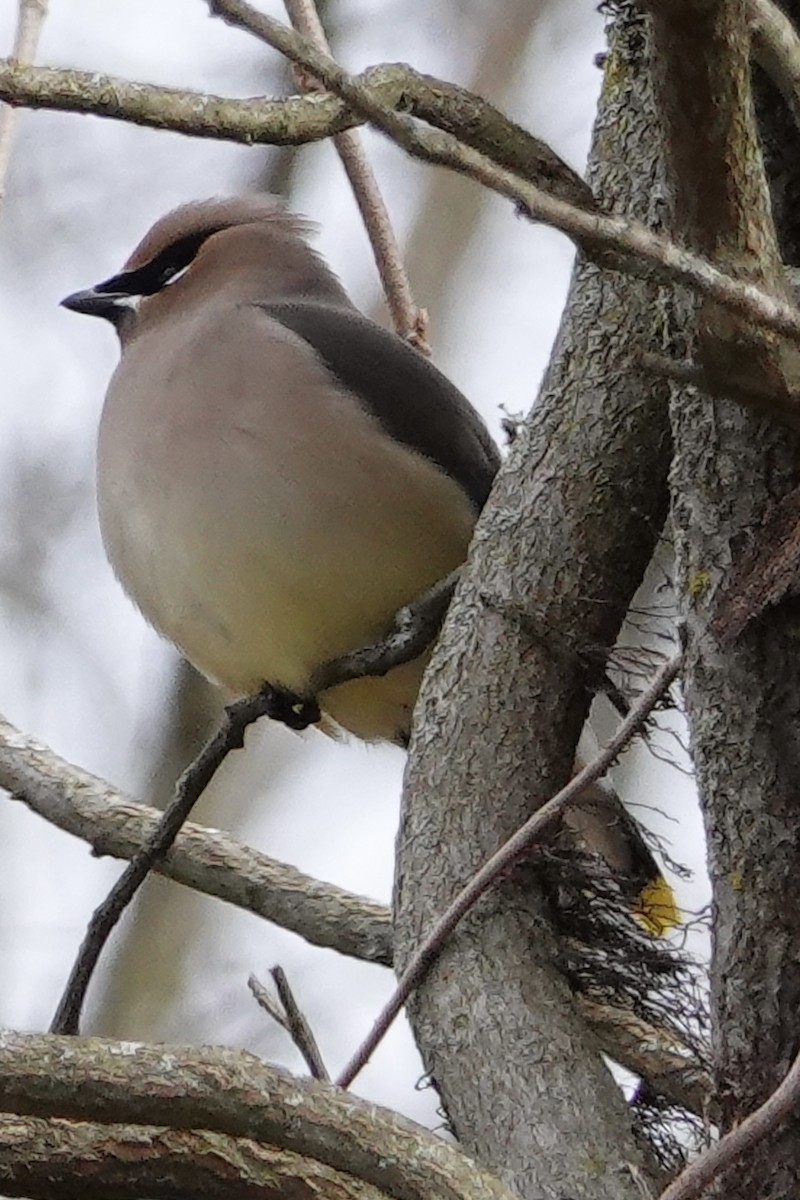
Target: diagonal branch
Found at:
208, 860
297, 120
614, 241
784, 1103
288, 1014
215, 864
503, 861
410, 322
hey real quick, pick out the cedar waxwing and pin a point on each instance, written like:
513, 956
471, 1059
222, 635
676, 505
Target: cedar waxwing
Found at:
277, 475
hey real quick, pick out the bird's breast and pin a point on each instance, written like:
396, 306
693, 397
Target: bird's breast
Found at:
257, 515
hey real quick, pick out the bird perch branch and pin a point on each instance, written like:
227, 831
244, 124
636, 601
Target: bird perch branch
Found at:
215, 864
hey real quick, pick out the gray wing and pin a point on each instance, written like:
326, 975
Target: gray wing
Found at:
414, 402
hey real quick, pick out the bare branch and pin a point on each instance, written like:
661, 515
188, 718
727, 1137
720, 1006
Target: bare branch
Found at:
204, 859
30, 19
49, 1159
668, 1067
235, 1094
505, 858
297, 120
266, 1001
782, 1104
410, 322
776, 47
299, 1027
294, 121
215, 864
286, 1011
615, 241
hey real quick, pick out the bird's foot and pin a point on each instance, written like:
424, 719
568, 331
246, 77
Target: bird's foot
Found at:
297, 712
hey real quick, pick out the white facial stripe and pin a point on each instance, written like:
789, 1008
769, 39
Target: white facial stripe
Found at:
178, 275
131, 302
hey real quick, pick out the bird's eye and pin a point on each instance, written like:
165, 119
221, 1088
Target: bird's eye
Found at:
171, 274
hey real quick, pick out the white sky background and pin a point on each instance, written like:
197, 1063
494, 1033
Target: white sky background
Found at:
80, 668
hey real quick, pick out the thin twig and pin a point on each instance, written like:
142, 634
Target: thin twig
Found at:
413, 630
409, 321
299, 1027
31, 16
415, 627
783, 1103
503, 859
286, 1012
188, 790
266, 1001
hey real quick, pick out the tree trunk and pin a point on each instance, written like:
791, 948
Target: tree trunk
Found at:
561, 548
743, 699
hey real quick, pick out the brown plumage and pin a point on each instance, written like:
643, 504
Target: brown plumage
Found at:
277, 475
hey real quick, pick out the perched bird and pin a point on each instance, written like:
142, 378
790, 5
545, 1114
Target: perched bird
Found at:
276, 474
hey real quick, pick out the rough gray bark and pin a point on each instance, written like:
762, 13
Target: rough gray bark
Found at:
42, 1159
743, 699
743, 704
562, 546
226, 1092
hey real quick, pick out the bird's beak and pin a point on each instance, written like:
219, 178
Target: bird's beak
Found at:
100, 301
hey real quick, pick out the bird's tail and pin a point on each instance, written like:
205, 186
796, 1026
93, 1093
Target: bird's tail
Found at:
655, 908
606, 827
